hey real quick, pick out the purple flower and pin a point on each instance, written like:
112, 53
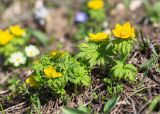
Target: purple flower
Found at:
81, 17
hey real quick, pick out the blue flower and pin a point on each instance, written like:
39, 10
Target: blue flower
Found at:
81, 17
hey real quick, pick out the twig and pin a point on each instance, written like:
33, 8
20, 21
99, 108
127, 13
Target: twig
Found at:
129, 97
144, 106
19, 106
8, 75
116, 109
133, 105
4, 92
136, 92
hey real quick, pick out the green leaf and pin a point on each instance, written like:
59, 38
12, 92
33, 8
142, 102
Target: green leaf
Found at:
117, 73
97, 15
67, 110
40, 36
111, 104
84, 109
131, 67
119, 65
121, 71
150, 62
92, 54
154, 103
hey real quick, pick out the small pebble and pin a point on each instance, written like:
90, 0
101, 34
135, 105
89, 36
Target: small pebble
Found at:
135, 4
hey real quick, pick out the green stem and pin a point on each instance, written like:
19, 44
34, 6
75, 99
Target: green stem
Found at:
1, 107
124, 57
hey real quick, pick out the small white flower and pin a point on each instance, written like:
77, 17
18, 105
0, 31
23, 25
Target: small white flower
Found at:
32, 51
17, 59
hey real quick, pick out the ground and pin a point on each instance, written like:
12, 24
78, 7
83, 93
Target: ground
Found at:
134, 99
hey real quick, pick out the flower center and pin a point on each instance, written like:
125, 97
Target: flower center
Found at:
17, 59
31, 53
123, 33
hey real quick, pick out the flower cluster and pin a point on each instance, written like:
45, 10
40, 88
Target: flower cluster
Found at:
102, 50
124, 31
7, 35
56, 69
12, 40
18, 58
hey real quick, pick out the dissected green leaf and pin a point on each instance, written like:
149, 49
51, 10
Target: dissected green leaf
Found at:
124, 71
94, 53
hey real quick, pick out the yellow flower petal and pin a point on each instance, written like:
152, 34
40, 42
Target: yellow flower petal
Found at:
31, 81
118, 26
5, 37
127, 26
115, 33
91, 35
95, 4
53, 53
57, 74
50, 72
99, 37
57, 53
17, 30
132, 32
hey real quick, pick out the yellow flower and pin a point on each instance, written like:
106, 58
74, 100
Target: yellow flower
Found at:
5, 37
95, 4
56, 53
17, 30
99, 37
36, 62
50, 72
31, 81
124, 31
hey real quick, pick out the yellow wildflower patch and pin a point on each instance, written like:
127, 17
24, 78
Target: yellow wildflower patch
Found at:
5, 37
17, 30
124, 31
95, 4
51, 72
99, 37
31, 81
